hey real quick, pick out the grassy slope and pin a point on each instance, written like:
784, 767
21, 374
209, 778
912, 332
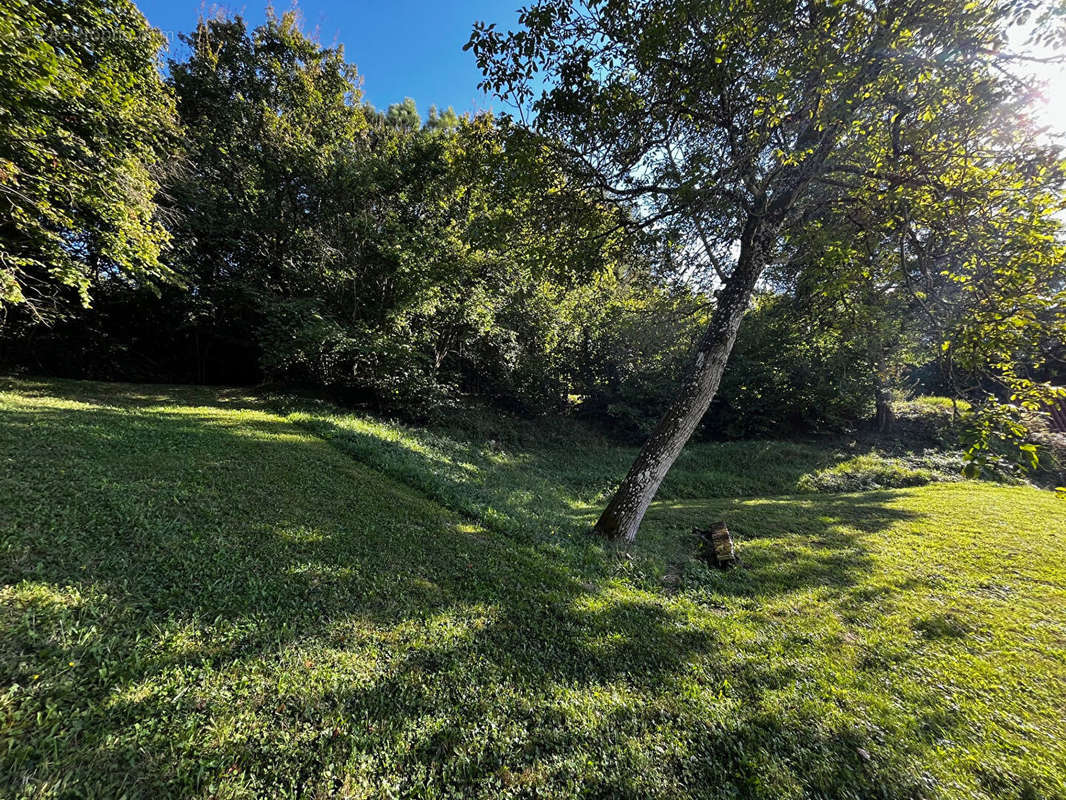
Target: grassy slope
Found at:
201, 597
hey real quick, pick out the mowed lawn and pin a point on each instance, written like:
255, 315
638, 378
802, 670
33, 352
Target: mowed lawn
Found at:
203, 597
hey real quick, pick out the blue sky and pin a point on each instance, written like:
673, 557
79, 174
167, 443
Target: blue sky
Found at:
403, 48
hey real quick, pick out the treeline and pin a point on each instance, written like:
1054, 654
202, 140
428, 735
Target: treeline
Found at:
300, 236
242, 216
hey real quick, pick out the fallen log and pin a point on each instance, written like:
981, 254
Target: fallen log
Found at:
717, 545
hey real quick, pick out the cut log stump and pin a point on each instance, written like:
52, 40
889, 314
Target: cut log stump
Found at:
717, 546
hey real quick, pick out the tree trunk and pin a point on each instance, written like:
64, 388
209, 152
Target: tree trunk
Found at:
624, 513
884, 416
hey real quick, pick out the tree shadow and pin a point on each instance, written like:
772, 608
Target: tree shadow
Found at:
541, 494
182, 544
786, 544
558, 489
200, 600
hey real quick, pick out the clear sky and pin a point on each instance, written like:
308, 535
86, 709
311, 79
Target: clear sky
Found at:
413, 48
403, 48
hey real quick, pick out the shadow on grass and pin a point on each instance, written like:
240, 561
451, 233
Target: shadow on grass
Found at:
196, 600
786, 544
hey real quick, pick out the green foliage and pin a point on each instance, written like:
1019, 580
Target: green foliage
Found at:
999, 436
997, 440
199, 597
443, 121
964, 271
485, 281
404, 116
635, 342
881, 161
383, 260
272, 128
84, 122
787, 375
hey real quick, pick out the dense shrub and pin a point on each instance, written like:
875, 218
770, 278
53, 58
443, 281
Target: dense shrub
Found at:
782, 377
634, 349
929, 421
785, 375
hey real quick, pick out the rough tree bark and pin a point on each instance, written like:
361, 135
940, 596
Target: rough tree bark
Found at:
623, 515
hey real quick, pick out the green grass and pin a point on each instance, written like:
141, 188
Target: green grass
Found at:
531, 480
203, 597
874, 470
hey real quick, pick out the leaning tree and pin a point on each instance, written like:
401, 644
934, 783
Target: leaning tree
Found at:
715, 118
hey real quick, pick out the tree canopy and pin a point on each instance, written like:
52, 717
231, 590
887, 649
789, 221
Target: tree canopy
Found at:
85, 122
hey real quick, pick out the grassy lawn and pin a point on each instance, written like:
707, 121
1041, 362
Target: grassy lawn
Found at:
202, 595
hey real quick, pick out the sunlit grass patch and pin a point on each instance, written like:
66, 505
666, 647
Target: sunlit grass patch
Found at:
200, 597
875, 470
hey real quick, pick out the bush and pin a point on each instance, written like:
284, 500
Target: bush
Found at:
784, 376
929, 421
636, 344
